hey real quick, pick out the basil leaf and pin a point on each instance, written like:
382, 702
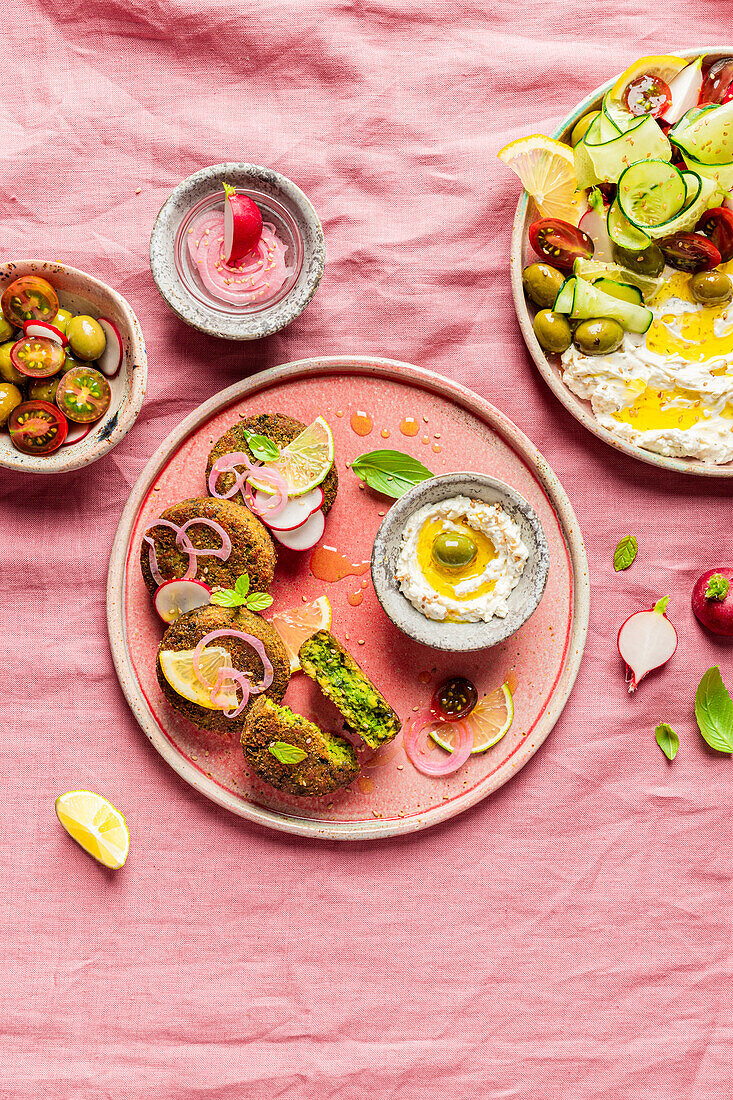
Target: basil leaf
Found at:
241, 585
667, 740
661, 605
258, 601
261, 447
717, 588
625, 553
225, 598
714, 711
285, 753
390, 472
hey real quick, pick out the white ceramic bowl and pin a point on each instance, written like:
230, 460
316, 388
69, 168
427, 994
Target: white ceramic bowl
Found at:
82, 293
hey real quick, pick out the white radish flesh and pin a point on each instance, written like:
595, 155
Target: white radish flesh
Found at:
306, 536
294, 514
110, 360
685, 92
175, 598
646, 641
594, 224
41, 328
242, 225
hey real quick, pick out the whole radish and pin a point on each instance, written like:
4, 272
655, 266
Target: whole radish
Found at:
712, 600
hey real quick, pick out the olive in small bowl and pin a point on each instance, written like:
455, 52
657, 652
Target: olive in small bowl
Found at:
9, 372
711, 288
10, 398
86, 337
599, 336
542, 283
553, 331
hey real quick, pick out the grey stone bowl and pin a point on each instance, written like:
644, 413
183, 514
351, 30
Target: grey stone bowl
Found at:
224, 324
459, 637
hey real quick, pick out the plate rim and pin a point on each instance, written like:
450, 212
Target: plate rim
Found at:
578, 408
497, 421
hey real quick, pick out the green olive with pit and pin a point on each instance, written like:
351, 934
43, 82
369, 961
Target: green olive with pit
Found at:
61, 320
600, 336
86, 337
542, 284
649, 262
711, 288
553, 331
8, 372
581, 127
44, 389
10, 397
452, 550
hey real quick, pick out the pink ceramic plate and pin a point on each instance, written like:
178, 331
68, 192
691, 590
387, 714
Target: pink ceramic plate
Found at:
454, 430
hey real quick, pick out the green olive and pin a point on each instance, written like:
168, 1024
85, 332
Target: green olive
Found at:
44, 389
542, 284
8, 372
10, 396
86, 337
712, 288
553, 331
598, 337
452, 550
649, 262
7, 331
62, 319
581, 127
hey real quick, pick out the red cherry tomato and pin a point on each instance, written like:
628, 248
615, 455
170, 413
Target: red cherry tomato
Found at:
648, 95
717, 224
29, 298
717, 86
83, 395
37, 356
689, 252
559, 242
37, 427
454, 699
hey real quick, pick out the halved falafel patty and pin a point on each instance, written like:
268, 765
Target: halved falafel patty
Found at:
253, 550
188, 631
344, 682
281, 429
329, 763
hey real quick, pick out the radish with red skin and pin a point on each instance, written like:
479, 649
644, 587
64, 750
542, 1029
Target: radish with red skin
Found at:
42, 328
684, 92
712, 601
242, 225
646, 641
77, 432
306, 536
110, 360
293, 514
594, 223
177, 597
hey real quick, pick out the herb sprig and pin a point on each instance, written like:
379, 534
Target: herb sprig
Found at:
261, 447
625, 553
286, 753
667, 740
240, 596
714, 711
390, 472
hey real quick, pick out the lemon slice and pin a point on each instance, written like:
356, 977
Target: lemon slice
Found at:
95, 825
177, 667
305, 462
489, 720
547, 170
665, 66
298, 623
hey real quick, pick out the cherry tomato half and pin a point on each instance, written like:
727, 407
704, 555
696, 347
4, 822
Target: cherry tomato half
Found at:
83, 395
559, 242
689, 252
648, 95
37, 356
29, 298
717, 224
718, 84
454, 699
37, 427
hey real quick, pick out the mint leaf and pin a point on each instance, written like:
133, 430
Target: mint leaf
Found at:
225, 598
285, 753
241, 585
258, 601
661, 605
717, 588
390, 472
261, 447
714, 711
625, 553
667, 740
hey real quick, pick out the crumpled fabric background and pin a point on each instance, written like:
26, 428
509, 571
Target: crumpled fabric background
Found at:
571, 936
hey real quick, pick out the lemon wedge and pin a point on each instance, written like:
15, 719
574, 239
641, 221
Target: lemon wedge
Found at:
95, 825
305, 462
177, 667
489, 721
547, 170
298, 623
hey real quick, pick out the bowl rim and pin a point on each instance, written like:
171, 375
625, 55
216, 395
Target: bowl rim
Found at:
168, 285
138, 371
411, 502
576, 406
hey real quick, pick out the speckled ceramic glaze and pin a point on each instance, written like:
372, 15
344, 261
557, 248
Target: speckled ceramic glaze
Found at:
459, 637
229, 326
82, 293
458, 431
549, 367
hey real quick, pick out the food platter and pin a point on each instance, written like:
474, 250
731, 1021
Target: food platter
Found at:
367, 401
522, 253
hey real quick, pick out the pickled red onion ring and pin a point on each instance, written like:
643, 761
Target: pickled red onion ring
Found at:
280, 493
226, 464
185, 545
423, 760
152, 555
241, 677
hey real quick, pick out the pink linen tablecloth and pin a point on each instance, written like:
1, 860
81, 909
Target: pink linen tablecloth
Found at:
571, 936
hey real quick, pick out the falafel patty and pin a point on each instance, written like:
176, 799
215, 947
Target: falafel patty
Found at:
281, 429
253, 550
329, 763
344, 682
187, 632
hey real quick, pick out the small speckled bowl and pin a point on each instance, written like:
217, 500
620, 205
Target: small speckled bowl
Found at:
82, 293
459, 637
282, 203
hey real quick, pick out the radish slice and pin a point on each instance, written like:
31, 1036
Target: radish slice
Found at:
110, 360
594, 224
430, 763
175, 598
685, 92
242, 225
646, 641
77, 432
42, 328
306, 536
294, 513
